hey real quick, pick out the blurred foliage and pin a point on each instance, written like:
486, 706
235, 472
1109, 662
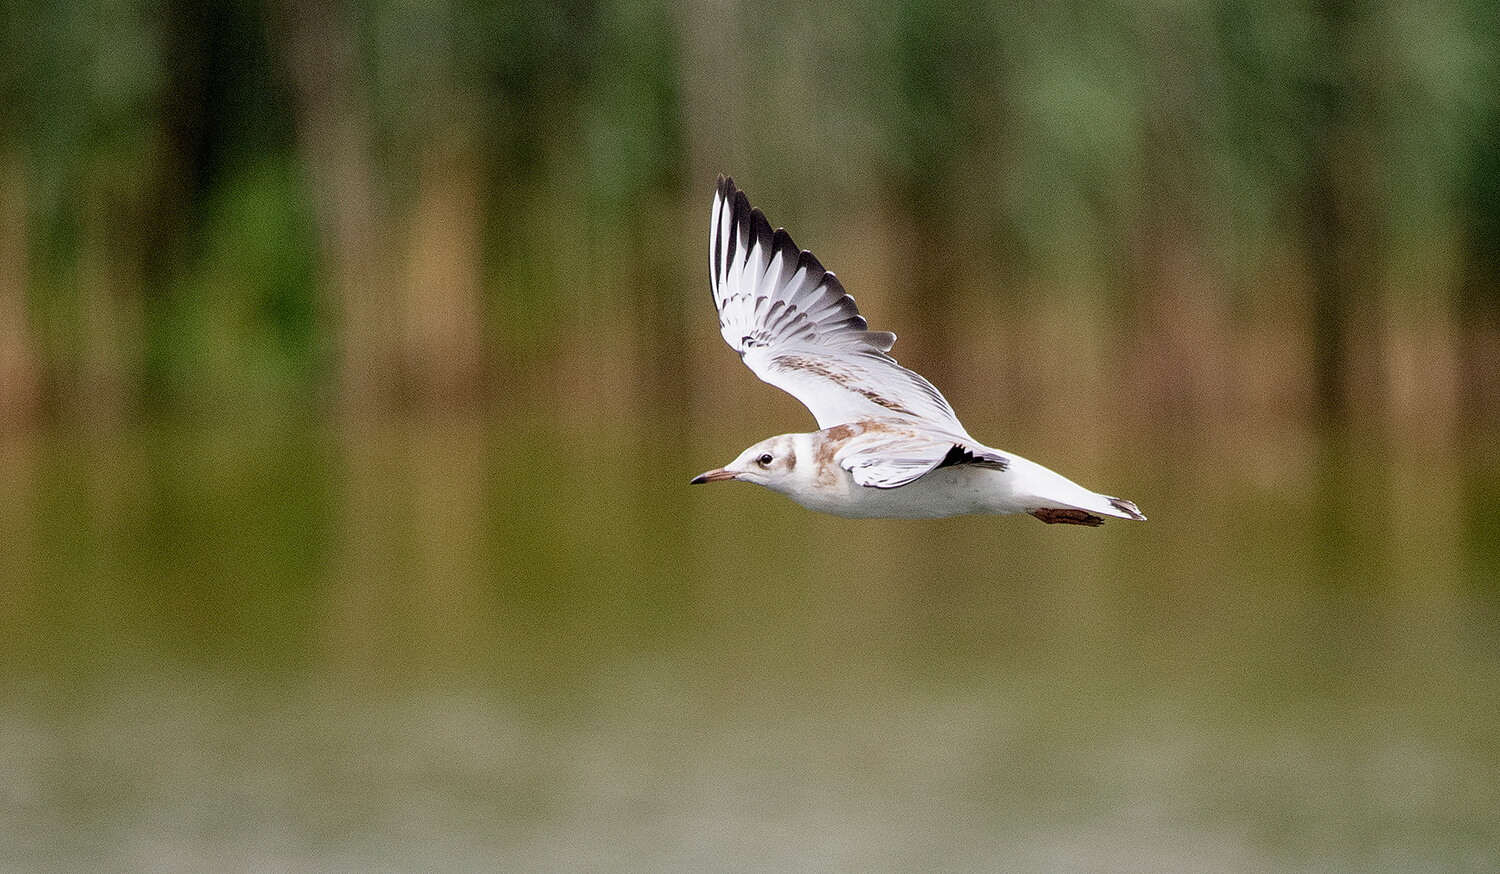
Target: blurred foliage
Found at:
180, 249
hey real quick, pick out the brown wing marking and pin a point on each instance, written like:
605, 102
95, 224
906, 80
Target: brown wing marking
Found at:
844, 378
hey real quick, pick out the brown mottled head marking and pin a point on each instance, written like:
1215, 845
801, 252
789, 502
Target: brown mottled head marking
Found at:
842, 377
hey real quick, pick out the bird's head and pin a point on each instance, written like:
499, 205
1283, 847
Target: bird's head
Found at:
771, 463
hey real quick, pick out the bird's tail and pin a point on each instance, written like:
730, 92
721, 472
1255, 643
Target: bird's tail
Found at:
1128, 509
1060, 500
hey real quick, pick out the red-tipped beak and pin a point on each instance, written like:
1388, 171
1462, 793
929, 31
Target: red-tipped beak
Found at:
713, 476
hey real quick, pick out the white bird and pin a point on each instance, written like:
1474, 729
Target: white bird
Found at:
890, 445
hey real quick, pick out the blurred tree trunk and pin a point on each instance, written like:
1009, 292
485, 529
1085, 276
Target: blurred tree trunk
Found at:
1345, 296
444, 325
1182, 332
335, 133
1182, 339
926, 273
1479, 370
111, 317
1339, 214
1479, 289
19, 373
662, 314
1479, 340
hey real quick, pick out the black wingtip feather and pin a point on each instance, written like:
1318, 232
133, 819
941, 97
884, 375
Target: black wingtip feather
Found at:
960, 454
823, 284
764, 233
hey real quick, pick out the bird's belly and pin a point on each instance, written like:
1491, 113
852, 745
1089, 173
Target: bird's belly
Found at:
936, 495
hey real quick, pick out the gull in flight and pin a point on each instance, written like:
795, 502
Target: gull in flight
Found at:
890, 446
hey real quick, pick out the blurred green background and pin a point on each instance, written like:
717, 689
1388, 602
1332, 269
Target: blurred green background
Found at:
354, 360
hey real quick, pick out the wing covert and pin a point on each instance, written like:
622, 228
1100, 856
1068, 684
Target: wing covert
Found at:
888, 458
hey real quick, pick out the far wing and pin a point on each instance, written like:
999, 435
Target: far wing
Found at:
797, 329
891, 458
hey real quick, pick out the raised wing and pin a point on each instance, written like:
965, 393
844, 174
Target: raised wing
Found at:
797, 329
885, 457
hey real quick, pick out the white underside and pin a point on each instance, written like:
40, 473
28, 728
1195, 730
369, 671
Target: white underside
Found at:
952, 491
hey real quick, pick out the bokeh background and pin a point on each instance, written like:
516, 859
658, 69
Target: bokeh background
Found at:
354, 358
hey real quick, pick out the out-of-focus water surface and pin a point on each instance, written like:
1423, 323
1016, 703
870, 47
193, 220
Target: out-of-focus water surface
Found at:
510, 646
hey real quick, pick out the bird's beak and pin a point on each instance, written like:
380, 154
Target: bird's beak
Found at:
713, 476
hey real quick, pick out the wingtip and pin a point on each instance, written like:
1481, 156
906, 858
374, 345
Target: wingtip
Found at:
1128, 507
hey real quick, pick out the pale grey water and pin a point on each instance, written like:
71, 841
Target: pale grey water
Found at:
452, 647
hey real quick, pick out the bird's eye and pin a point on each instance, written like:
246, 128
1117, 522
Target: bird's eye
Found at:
765, 460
